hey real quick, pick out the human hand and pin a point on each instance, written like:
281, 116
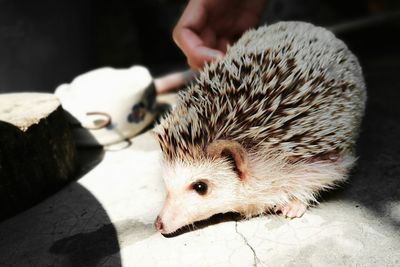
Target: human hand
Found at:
206, 27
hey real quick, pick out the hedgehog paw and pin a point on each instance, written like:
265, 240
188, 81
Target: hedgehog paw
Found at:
293, 209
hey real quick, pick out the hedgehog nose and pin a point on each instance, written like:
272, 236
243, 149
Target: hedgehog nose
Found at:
158, 224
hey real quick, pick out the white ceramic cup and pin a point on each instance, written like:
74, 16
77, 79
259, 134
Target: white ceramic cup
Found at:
109, 105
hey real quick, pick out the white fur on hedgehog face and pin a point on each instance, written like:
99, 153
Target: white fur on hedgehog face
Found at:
184, 205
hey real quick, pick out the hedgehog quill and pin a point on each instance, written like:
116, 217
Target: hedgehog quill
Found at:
266, 128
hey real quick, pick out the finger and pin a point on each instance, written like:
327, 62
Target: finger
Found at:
194, 65
223, 44
209, 37
185, 32
202, 56
194, 15
194, 18
195, 50
196, 41
186, 38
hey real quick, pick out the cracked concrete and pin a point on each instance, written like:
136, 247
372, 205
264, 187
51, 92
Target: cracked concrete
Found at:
105, 218
256, 259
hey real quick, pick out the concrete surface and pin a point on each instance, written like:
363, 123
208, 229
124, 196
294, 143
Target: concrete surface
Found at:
105, 218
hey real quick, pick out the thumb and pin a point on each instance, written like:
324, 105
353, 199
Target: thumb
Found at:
202, 55
209, 54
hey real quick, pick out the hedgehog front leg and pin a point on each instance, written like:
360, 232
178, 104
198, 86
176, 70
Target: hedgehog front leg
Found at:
304, 181
293, 209
300, 183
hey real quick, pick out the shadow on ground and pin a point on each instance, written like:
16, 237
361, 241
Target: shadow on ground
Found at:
70, 229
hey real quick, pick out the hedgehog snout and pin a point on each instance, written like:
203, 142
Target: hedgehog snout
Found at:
158, 224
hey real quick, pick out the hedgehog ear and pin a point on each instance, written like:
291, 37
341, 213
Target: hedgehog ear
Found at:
234, 152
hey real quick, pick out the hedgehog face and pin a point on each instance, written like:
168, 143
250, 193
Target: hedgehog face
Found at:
198, 190
195, 192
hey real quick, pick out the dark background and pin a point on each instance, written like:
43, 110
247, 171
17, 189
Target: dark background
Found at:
44, 43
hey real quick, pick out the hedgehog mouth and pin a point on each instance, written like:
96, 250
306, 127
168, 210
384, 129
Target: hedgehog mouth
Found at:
198, 225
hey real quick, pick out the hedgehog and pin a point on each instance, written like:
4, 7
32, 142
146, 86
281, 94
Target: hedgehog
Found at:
266, 128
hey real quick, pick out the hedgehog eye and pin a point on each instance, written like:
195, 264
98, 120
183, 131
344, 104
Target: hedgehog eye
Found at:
200, 188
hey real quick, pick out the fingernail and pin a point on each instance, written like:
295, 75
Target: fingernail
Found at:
213, 53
